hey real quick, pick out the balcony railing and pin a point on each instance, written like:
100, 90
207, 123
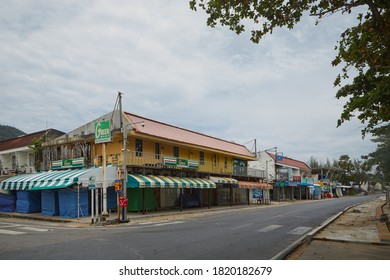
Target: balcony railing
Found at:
160, 161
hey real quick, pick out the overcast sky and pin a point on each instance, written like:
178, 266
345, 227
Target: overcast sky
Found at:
62, 63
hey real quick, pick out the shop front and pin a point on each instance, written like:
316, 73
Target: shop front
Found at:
151, 192
61, 193
258, 192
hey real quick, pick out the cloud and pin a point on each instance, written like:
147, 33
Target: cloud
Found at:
63, 63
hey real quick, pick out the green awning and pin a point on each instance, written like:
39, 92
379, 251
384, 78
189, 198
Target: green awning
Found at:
43, 181
150, 181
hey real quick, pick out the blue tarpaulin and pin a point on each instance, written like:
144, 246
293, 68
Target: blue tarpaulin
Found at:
68, 204
7, 202
111, 198
28, 202
49, 201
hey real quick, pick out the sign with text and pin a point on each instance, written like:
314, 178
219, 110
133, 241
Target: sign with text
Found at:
297, 179
92, 182
180, 162
102, 132
123, 201
68, 163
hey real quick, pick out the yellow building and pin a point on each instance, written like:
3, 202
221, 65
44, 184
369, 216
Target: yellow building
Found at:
167, 166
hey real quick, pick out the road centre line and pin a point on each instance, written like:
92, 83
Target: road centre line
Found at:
242, 226
269, 228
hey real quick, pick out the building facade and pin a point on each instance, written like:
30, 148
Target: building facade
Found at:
16, 156
167, 166
291, 178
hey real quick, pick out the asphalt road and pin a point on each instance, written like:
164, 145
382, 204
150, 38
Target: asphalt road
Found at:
259, 233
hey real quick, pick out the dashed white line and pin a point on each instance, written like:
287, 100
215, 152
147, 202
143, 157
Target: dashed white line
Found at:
269, 228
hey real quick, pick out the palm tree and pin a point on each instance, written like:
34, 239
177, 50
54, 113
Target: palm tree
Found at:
37, 149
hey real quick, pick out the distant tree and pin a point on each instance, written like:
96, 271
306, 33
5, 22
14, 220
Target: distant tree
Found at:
364, 48
313, 162
381, 157
360, 171
346, 165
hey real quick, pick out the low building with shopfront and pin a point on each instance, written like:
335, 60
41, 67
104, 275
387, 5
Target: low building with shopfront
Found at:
291, 178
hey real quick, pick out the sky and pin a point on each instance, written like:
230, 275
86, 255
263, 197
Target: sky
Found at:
63, 63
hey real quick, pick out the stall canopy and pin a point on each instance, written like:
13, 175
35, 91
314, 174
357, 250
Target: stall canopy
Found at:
150, 181
54, 179
254, 185
220, 180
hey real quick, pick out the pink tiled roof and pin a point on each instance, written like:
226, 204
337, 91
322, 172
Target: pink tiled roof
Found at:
27, 139
185, 136
292, 162
21, 141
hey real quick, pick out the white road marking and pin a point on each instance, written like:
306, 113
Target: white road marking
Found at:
168, 223
299, 230
156, 224
4, 225
34, 229
242, 226
10, 232
269, 228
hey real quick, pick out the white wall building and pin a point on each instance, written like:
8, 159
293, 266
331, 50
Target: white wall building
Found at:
17, 157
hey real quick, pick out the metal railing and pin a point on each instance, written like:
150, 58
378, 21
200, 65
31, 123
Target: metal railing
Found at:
150, 160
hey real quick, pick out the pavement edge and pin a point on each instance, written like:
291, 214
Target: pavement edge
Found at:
309, 236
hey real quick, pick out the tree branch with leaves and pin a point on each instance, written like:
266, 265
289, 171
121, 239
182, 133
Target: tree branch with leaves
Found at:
363, 48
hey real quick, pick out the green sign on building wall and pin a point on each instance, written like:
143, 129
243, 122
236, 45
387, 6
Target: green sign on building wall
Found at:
68, 163
102, 132
180, 162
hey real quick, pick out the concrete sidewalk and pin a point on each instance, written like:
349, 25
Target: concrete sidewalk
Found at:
355, 234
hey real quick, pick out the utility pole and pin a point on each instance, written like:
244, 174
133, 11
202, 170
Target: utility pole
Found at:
124, 183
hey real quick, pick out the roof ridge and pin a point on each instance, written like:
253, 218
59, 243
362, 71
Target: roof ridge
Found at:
284, 157
25, 135
186, 129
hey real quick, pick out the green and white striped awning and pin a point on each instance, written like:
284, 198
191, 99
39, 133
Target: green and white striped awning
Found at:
150, 181
220, 180
43, 181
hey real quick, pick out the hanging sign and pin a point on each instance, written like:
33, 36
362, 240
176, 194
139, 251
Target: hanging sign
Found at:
118, 186
92, 182
102, 132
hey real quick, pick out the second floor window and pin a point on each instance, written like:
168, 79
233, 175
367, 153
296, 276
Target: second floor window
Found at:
138, 147
157, 151
201, 158
175, 151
